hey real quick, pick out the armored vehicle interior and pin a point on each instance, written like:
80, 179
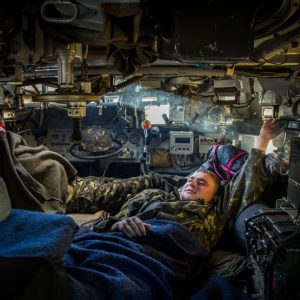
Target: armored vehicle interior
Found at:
124, 88
74, 67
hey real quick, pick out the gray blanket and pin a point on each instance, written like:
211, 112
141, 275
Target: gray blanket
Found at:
44, 173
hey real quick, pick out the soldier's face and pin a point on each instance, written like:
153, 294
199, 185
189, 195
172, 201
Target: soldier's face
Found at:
199, 186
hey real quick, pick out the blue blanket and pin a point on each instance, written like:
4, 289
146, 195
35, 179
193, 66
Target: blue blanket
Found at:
166, 264
32, 245
34, 234
160, 265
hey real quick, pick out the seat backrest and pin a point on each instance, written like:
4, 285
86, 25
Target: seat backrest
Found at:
226, 160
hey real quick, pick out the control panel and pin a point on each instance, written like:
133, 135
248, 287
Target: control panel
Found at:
60, 141
181, 142
205, 143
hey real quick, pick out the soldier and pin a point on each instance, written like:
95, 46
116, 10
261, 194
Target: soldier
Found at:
200, 205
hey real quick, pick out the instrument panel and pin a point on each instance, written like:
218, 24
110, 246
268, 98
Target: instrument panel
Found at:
60, 140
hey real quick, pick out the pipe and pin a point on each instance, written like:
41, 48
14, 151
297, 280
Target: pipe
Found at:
177, 71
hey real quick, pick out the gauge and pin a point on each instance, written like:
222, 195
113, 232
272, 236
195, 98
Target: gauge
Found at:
216, 115
122, 138
154, 131
134, 138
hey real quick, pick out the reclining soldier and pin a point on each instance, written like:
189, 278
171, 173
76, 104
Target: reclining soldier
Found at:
202, 205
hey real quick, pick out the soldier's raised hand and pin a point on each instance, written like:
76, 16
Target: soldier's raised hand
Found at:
268, 131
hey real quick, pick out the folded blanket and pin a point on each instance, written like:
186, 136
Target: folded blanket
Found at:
35, 234
160, 265
32, 245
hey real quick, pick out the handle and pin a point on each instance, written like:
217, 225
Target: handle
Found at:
63, 5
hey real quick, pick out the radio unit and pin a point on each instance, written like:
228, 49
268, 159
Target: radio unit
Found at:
273, 241
181, 142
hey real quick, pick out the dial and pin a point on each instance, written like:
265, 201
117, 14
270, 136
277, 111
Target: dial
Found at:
216, 115
134, 138
154, 131
122, 138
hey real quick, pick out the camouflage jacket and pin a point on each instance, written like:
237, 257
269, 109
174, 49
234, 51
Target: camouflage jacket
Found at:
207, 221
91, 194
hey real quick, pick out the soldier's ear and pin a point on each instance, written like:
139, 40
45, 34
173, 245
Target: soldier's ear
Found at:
219, 193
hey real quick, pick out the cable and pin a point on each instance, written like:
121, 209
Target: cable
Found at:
104, 172
43, 80
124, 84
28, 91
57, 107
295, 74
243, 105
36, 89
265, 73
211, 99
71, 150
276, 64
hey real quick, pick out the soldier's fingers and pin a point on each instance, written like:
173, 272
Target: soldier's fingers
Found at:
129, 231
121, 226
124, 230
142, 228
276, 130
135, 226
116, 226
275, 125
141, 225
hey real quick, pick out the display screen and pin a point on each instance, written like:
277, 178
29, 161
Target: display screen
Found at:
111, 99
293, 125
227, 98
182, 140
149, 99
268, 112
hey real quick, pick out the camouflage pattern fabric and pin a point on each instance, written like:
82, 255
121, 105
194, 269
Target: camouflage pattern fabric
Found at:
276, 165
91, 194
199, 218
246, 188
207, 222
